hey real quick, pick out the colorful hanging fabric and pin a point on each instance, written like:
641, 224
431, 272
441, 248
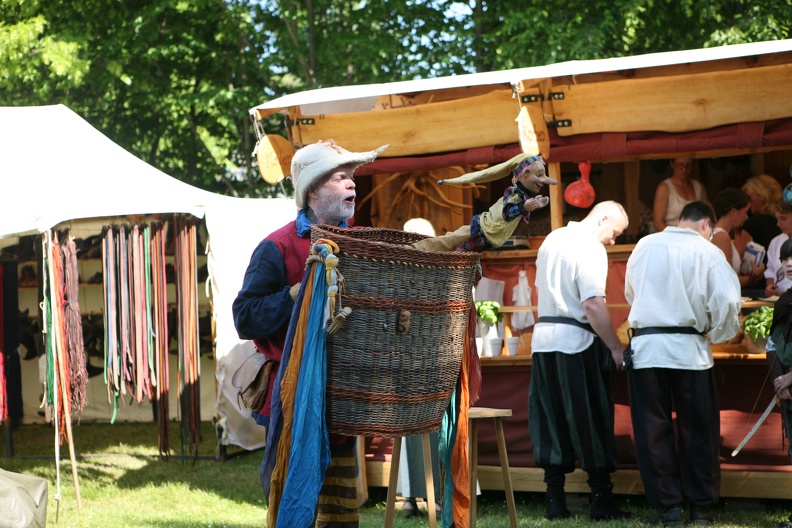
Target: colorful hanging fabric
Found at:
189, 358
56, 337
310, 456
276, 415
161, 338
112, 359
275, 463
3, 382
453, 445
292, 473
72, 323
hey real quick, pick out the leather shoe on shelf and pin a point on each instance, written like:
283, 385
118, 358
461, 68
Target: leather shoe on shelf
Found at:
668, 517
700, 516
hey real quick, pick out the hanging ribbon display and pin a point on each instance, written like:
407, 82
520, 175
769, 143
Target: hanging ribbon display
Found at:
3, 382
135, 298
187, 307
112, 372
137, 336
72, 323
160, 378
58, 384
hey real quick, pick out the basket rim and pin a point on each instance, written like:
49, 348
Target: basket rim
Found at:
462, 258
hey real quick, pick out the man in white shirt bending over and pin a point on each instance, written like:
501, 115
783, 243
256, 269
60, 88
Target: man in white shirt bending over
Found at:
570, 409
682, 290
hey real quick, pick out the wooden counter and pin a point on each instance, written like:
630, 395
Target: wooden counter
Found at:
760, 470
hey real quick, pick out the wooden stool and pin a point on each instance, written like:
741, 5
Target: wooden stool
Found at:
390, 504
474, 415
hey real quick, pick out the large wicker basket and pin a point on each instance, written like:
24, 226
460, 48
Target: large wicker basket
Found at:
384, 379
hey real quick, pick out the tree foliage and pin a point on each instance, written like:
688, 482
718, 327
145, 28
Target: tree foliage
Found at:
549, 32
172, 80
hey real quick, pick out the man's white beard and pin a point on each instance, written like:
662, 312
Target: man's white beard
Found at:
334, 212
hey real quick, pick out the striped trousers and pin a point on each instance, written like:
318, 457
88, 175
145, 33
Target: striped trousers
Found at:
337, 506
683, 467
570, 412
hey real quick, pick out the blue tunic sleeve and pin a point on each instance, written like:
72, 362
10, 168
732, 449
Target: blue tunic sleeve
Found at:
263, 305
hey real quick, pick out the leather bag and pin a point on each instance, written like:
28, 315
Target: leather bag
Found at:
251, 379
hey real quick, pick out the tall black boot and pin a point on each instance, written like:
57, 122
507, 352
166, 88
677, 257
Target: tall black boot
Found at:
555, 504
603, 504
555, 499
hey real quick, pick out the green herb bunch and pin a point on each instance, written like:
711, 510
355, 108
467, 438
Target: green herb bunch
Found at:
489, 311
757, 324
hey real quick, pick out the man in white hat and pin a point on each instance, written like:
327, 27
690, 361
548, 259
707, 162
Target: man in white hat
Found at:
324, 188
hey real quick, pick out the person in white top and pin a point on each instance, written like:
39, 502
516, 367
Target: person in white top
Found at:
776, 282
570, 410
681, 290
731, 209
673, 193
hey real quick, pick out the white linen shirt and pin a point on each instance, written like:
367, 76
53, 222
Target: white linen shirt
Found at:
571, 266
773, 270
677, 278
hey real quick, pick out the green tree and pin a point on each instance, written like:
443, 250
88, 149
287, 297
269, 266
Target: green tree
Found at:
538, 33
172, 81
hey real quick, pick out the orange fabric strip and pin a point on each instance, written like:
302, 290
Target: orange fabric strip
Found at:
459, 457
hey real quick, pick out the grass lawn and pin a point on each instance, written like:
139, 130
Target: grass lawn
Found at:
124, 484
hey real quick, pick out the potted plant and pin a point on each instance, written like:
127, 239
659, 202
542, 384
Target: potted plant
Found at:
488, 315
757, 329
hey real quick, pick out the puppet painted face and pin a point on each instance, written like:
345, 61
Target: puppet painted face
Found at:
533, 177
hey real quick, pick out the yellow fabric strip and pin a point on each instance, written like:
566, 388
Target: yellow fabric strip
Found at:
337, 517
347, 482
339, 501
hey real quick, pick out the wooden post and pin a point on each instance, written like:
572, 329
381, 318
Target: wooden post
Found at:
390, 502
632, 178
556, 197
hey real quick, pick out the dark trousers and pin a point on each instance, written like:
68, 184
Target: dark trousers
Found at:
570, 412
681, 467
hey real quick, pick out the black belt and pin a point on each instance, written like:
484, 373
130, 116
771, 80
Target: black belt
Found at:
649, 330
565, 320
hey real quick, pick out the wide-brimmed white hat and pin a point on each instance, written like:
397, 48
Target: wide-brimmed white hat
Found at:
313, 162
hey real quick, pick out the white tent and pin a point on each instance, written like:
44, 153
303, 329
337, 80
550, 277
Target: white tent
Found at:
56, 167
58, 170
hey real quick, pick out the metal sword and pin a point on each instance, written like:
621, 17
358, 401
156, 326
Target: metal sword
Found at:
759, 422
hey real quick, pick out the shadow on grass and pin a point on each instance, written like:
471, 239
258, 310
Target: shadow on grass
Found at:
124, 456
